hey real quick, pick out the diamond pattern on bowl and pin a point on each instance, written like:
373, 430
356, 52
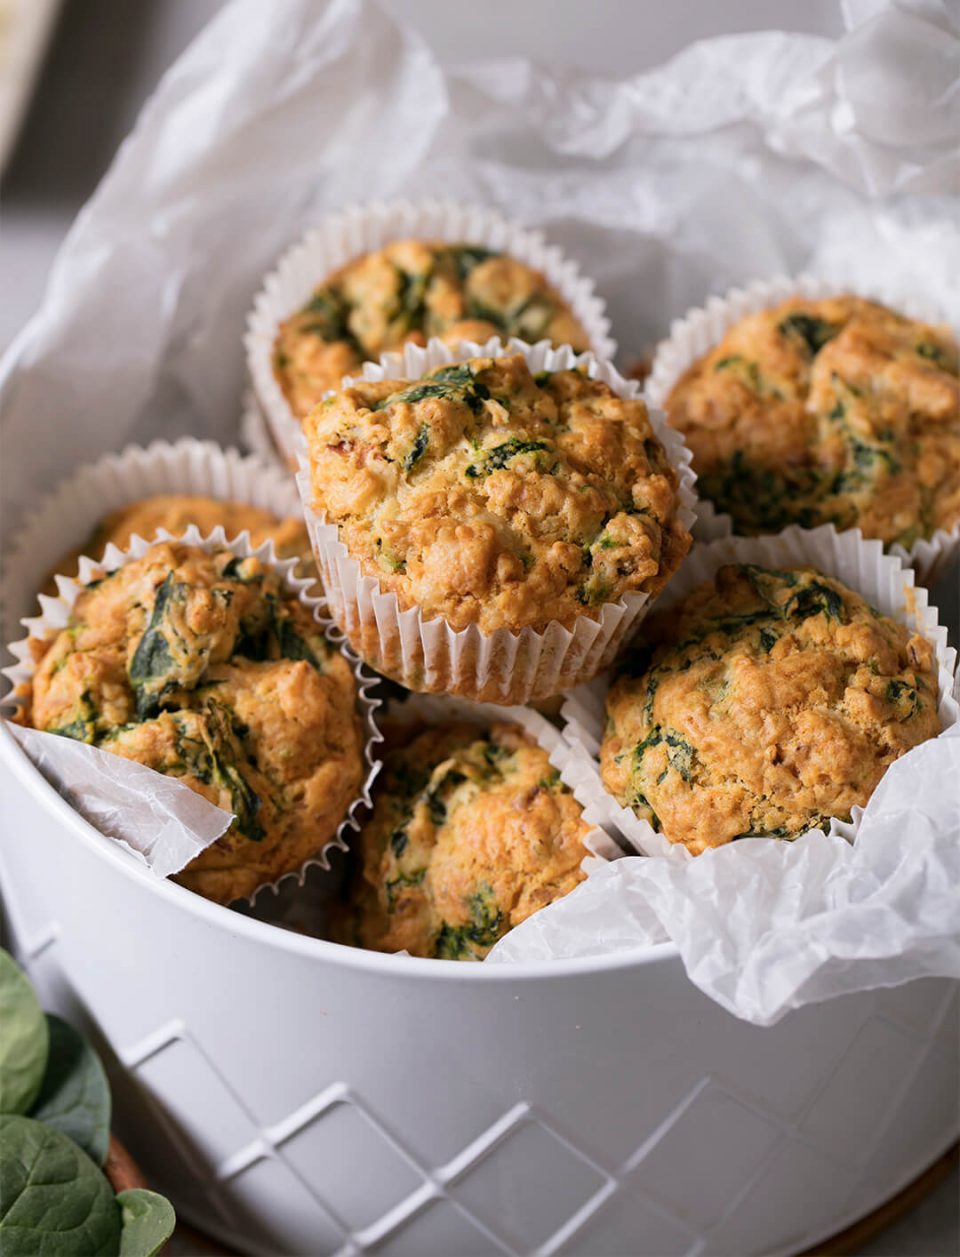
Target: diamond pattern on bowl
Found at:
919, 1006
855, 1104
268, 1188
712, 1120
624, 1221
438, 1231
194, 1092
351, 1160
796, 1185
924, 1122
531, 1174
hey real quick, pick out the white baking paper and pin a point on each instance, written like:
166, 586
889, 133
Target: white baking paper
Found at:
174, 824
745, 156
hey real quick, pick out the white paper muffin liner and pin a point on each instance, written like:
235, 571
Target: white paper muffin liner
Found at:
55, 614
882, 579
77, 505
502, 666
702, 328
359, 229
433, 709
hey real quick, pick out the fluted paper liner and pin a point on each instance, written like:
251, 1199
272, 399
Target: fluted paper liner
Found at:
159, 819
503, 666
69, 514
340, 238
883, 579
702, 328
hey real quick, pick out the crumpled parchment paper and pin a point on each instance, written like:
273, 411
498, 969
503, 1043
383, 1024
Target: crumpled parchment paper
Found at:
744, 156
173, 823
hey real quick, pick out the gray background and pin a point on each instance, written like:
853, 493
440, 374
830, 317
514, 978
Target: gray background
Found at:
107, 55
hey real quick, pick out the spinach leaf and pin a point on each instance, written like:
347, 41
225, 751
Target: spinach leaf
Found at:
468, 256
418, 449
815, 599
147, 1222
55, 1201
403, 879
813, 332
331, 312
293, 646
497, 458
926, 349
152, 661
24, 1040
456, 942
75, 1095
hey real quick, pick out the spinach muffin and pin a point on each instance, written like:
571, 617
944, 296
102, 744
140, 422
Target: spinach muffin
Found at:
471, 832
408, 292
836, 411
488, 496
176, 512
764, 704
203, 667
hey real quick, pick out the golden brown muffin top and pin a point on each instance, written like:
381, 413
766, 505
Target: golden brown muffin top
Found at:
404, 294
764, 704
472, 831
203, 667
488, 496
836, 411
176, 512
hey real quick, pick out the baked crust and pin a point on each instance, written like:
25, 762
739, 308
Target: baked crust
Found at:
487, 496
472, 831
406, 293
765, 703
836, 411
202, 667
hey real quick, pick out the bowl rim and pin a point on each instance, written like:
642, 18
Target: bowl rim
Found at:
321, 950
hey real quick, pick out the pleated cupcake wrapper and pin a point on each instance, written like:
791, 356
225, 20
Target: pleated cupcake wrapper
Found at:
882, 579
502, 666
78, 504
181, 801
433, 709
341, 237
702, 328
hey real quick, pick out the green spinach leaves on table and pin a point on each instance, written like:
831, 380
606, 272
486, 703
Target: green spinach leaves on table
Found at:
55, 1112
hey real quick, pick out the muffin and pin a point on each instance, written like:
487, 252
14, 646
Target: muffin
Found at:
471, 832
827, 411
204, 667
765, 703
410, 291
488, 496
176, 512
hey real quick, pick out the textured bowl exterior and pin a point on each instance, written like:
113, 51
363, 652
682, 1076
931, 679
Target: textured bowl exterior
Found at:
296, 1097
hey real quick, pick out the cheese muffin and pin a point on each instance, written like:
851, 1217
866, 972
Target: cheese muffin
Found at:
203, 667
405, 293
176, 512
472, 831
836, 411
488, 496
764, 704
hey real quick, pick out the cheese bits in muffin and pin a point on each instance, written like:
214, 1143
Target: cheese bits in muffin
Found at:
488, 496
408, 292
203, 667
472, 831
764, 704
836, 411
175, 512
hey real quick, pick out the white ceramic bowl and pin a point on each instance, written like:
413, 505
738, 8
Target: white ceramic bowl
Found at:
294, 1096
